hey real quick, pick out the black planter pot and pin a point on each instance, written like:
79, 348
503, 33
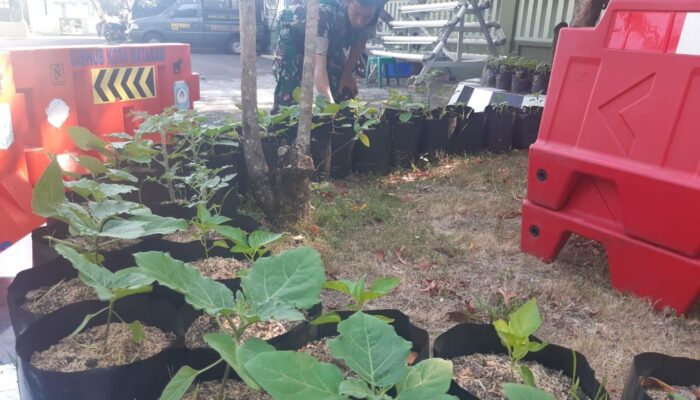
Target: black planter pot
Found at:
42, 250
499, 128
342, 150
321, 151
540, 83
143, 379
436, 133
375, 159
678, 371
270, 144
461, 113
521, 83
504, 79
488, 77
405, 137
468, 339
472, 137
527, 125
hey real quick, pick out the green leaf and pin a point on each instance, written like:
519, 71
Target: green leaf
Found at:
526, 320
433, 373
49, 192
220, 243
177, 387
86, 140
79, 220
94, 165
385, 285
98, 278
236, 235
516, 391
291, 375
293, 278
424, 394
357, 388
342, 286
228, 350
372, 349
384, 319
252, 347
138, 334
296, 95
364, 139
405, 117
90, 188
331, 108
86, 320
119, 228
327, 318
259, 239
200, 292
116, 175
157, 225
535, 347
111, 208
526, 375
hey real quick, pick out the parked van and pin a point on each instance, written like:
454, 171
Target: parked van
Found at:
205, 23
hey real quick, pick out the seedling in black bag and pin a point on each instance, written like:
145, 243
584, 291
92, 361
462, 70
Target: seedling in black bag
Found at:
365, 117
205, 224
515, 336
110, 287
360, 294
251, 246
276, 288
372, 350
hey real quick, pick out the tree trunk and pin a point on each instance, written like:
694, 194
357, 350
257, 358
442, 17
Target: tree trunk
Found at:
587, 13
307, 78
282, 194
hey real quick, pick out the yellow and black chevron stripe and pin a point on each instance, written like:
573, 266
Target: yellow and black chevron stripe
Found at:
126, 83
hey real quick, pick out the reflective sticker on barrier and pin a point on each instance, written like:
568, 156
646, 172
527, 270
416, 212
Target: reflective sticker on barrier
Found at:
7, 136
127, 83
182, 95
57, 112
689, 42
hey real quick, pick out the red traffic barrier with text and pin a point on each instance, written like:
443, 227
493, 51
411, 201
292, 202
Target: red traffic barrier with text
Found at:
97, 88
617, 157
15, 191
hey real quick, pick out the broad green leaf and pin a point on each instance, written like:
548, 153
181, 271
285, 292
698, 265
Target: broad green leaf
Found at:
251, 348
236, 235
359, 288
177, 387
111, 208
372, 349
89, 188
200, 292
220, 243
340, 286
203, 213
294, 277
364, 139
116, 175
424, 394
516, 391
49, 192
259, 239
79, 220
120, 228
94, 165
331, 108
328, 318
526, 320
91, 274
157, 225
120, 293
142, 225
357, 388
86, 140
526, 374
139, 152
385, 285
137, 332
291, 375
384, 319
534, 347
228, 350
86, 320
433, 373
405, 117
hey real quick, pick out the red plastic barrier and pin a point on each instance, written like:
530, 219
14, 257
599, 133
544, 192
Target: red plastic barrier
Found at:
15, 190
97, 87
618, 145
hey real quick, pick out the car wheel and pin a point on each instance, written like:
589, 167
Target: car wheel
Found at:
153, 38
234, 45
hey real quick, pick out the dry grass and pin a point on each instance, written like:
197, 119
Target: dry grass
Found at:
452, 235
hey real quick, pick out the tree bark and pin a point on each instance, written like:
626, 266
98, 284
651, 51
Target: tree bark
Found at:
303, 140
587, 13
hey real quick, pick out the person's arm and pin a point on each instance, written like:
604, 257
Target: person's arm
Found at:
321, 83
347, 79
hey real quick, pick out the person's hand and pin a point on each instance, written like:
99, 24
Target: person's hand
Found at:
348, 84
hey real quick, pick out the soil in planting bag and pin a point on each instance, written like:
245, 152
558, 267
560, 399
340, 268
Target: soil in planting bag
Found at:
521, 85
499, 128
140, 380
540, 83
472, 137
375, 159
674, 371
53, 272
527, 125
343, 144
504, 79
488, 77
436, 133
468, 339
321, 151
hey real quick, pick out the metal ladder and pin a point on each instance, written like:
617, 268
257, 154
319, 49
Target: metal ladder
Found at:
439, 33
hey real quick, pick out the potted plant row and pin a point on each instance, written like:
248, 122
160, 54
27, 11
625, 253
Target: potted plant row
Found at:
516, 74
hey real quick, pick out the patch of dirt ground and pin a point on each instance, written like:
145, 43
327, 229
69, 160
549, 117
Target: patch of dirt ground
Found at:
452, 234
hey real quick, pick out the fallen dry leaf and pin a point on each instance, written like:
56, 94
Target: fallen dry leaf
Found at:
298, 238
398, 256
431, 287
379, 256
649, 382
411, 358
458, 316
507, 295
314, 229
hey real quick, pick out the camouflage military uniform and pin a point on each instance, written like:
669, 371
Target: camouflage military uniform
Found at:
335, 36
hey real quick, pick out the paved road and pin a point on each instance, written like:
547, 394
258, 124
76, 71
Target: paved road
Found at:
220, 73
